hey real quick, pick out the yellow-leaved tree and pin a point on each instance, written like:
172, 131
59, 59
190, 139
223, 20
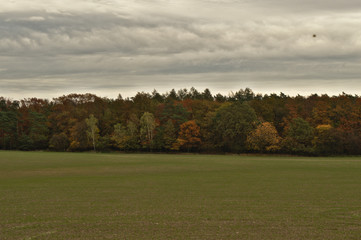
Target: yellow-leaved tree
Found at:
264, 138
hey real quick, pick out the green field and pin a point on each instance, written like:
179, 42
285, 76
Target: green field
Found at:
154, 196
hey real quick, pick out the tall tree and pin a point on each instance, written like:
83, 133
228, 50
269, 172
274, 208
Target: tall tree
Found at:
189, 136
39, 130
93, 130
299, 137
169, 135
126, 137
119, 136
232, 124
147, 126
79, 140
328, 140
174, 111
264, 138
8, 123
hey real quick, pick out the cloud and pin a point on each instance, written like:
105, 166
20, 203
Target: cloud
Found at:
36, 18
106, 45
309, 6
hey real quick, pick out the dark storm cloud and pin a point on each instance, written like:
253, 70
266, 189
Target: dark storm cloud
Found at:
99, 46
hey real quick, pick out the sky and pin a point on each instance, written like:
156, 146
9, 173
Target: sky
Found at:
110, 47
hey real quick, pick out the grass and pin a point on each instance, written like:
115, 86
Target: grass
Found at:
148, 196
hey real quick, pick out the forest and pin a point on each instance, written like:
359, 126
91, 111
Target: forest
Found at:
185, 121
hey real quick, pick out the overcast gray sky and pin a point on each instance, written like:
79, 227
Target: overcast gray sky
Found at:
50, 48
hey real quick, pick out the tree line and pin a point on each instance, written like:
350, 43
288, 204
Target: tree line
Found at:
185, 120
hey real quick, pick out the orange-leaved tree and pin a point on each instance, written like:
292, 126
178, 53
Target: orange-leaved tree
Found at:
188, 136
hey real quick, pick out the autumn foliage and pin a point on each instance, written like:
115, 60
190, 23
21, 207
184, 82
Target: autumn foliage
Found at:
189, 136
185, 120
264, 138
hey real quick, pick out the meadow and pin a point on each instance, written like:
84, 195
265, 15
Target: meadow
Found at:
45, 195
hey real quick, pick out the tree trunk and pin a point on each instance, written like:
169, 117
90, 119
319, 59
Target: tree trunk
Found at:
93, 139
